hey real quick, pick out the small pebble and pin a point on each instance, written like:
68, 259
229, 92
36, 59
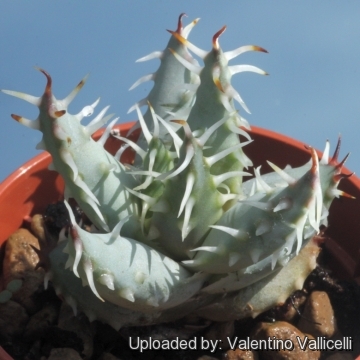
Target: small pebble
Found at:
293, 306
318, 316
35, 351
37, 227
64, 353
13, 319
40, 322
221, 331
80, 325
19, 256
282, 330
14, 285
108, 356
239, 354
20, 261
5, 296
340, 356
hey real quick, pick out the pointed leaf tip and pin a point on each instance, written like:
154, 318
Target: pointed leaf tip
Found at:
75, 91
34, 100
32, 124
335, 156
315, 161
341, 176
16, 117
338, 193
342, 162
215, 40
82, 82
49, 80
259, 48
180, 25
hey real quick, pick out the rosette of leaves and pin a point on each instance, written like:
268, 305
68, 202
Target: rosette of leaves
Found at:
179, 230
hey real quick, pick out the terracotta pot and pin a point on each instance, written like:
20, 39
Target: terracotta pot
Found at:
22, 194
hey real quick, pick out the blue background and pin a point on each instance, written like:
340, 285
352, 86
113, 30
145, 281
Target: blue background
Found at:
312, 93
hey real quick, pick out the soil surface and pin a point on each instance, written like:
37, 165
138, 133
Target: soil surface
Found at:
47, 328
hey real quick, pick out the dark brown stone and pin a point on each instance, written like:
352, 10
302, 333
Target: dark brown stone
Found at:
13, 319
282, 330
318, 317
239, 354
20, 262
64, 353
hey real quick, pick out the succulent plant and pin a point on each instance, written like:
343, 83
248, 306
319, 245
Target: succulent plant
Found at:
179, 230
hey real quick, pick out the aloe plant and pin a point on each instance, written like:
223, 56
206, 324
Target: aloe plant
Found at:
180, 230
